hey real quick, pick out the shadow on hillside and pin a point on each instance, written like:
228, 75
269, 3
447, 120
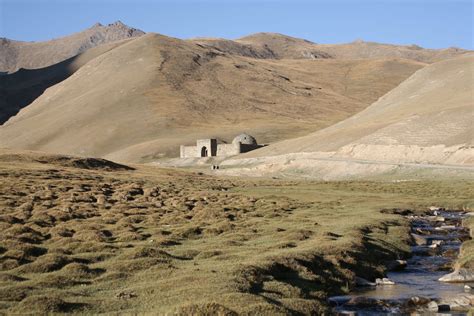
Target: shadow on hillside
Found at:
19, 89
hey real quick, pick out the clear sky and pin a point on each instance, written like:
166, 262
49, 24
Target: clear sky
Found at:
428, 23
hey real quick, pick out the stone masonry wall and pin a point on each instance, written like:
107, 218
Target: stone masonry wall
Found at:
188, 151
228, 149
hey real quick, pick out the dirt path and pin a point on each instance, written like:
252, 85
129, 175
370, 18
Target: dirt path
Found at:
418, 165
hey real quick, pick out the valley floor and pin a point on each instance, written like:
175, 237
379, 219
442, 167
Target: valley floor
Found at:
88, 236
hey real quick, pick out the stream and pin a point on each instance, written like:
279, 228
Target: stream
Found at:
437, 240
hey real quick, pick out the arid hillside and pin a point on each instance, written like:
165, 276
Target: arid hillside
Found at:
279, 46
266, 46
426, 119
19, 89
15, 55
144, 98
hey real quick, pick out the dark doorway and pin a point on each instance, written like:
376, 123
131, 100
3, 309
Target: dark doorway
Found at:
204, 151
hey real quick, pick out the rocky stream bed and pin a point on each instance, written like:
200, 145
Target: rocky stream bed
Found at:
426, 283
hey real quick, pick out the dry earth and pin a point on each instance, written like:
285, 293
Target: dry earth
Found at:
86, 235
425, 120
19, 89
279, 46
142, 99
138, 100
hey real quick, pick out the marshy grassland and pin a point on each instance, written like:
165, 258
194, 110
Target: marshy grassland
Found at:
87, 236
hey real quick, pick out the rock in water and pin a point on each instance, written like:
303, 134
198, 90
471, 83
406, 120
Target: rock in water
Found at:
443, 308
432, 306
362, 302
460, 302
396, 265
461, 275
384, 281
363, 282
419, 240
418, 301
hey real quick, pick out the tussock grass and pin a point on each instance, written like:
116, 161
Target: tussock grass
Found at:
156, 240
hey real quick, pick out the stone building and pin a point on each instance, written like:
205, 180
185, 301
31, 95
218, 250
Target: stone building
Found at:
212, 148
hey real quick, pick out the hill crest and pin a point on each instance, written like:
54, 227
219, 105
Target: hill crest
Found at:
15, 55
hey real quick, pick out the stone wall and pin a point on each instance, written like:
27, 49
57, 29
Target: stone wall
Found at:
228, 149
214, 149
209, 144
188, 151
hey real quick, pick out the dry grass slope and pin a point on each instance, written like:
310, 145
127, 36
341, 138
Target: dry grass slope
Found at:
426, 119
141, 100
19, 89
279, 46
153, 240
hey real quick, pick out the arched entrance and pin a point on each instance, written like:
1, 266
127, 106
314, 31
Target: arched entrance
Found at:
204, 151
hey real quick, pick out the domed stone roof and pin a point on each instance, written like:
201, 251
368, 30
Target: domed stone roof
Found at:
245, 139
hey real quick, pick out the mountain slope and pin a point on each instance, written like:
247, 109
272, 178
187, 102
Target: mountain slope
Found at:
15, 55
426, 119
19, 89
362, 49
142, 99
268, 46
279, 46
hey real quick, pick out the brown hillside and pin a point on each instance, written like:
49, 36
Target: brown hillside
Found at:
427, 119
142, 99
279, 46
19, 89
361, 49
15, 55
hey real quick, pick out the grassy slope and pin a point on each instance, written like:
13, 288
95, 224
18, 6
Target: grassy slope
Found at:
466, 258
75, 239
165, 92
432, 107
283, 46
23, 87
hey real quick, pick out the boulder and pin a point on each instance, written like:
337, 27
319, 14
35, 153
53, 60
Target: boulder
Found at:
396, 265
361, 301
447, 266
435, 218
384, 281
425, 251
450, 253
460, 302
432, 306
419, 240
446, 227
421, 231
347, 313
443, 308
418, 301
461, 275
363, 282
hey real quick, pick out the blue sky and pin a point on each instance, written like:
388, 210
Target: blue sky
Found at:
429, 23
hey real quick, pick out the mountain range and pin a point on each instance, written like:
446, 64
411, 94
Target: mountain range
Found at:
15, 55
136, 97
